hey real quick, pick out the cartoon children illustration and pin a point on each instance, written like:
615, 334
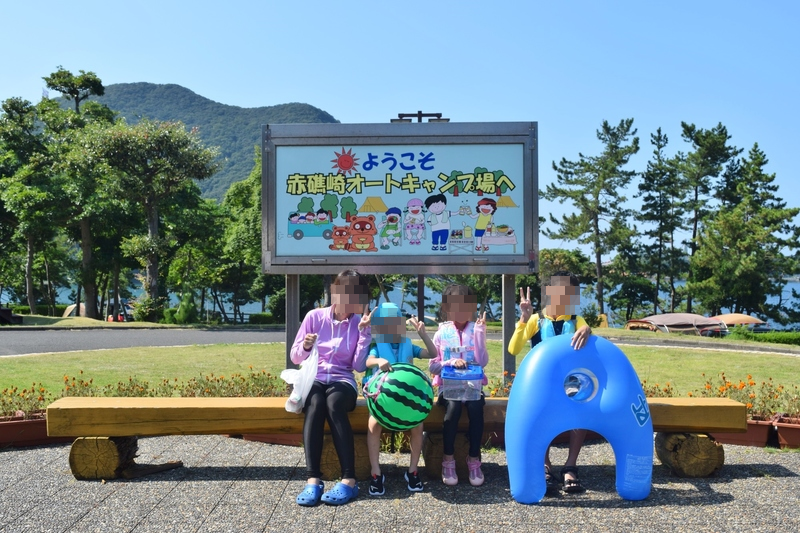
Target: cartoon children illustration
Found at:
322, 217
294, 218
414, 221
439, 219
390, 228
485, 210
310, 217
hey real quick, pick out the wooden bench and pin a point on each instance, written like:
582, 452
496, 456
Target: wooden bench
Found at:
107, 428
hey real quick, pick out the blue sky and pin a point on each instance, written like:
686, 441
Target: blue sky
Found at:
567, 65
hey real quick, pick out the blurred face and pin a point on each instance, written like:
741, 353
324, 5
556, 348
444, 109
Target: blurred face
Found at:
392, 330
460, 308
562, 298
348, 296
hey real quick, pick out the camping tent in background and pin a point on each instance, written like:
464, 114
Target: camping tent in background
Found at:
737, 319
70, 311
675, 323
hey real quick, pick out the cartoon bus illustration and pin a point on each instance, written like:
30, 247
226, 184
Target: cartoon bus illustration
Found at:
311, 224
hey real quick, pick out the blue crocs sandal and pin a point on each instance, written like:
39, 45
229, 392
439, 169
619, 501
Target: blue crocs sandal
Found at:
340, 494
310, 495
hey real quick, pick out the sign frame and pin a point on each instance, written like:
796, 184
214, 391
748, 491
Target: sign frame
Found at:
523, 261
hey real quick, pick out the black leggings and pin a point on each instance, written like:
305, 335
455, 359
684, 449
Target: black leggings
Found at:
332, 403
451, 417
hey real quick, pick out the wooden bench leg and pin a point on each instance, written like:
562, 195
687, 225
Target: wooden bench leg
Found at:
689, 454
110, 458
330, 466
101, 457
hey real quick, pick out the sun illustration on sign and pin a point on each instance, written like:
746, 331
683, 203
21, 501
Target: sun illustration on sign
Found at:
346, 161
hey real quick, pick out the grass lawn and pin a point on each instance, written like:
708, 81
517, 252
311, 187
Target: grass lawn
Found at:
682, 367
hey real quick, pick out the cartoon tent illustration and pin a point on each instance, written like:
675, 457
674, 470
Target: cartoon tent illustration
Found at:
373, 204
506, 201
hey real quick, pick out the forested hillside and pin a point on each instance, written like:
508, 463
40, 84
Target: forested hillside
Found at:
235, 130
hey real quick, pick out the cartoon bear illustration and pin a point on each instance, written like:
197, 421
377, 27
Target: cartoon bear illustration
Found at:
362, 234
341, 237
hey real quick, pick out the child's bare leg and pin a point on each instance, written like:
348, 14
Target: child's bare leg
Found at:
576, 438
374, 445
416, 447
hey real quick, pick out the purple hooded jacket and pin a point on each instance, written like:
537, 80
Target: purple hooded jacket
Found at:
342, 347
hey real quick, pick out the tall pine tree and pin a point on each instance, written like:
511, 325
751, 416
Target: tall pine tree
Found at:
594, 185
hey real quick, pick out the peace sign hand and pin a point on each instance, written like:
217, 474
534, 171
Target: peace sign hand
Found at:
366, 318
418, 325
525, 307
481, 320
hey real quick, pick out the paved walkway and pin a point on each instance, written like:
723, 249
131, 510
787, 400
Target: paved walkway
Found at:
241, 486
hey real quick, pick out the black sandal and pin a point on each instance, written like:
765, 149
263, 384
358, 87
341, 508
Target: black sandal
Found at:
571, 486
551, 483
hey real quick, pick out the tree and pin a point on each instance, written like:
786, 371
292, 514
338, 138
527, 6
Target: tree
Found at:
153, 161
85, 180
742, 255
663, 192
76, 88
29, 189
710, 153
632, 289
593, 185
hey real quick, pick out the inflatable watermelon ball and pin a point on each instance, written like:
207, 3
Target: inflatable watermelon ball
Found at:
401, 399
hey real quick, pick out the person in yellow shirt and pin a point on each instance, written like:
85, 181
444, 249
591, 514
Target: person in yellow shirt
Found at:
561, 299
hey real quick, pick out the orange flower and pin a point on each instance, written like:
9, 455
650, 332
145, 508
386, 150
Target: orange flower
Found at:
708, 386
690, 394
749, 405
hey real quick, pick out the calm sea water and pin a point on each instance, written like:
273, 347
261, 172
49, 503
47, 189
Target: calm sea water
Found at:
409, 304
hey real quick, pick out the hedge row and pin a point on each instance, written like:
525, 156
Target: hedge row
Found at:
777, 337
263, 318
40, 310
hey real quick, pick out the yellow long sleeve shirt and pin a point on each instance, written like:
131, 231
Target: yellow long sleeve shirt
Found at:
526, 330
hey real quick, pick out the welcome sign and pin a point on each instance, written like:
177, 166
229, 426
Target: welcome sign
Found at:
400, 198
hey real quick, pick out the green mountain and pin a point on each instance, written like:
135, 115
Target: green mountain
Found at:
235, 130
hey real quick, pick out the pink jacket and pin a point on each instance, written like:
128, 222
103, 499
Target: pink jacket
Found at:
448, 336
342, 347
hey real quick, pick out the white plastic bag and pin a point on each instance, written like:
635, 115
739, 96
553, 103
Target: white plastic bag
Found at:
301, 380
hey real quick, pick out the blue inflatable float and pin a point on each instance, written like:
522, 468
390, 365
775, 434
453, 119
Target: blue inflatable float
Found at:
558, 388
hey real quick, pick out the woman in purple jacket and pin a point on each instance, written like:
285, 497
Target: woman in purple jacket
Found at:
342, 338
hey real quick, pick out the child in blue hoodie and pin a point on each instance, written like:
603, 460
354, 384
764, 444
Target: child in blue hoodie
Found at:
391, 345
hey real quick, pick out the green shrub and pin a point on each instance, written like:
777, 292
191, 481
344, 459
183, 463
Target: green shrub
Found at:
591, 315
777, 337
261, 318
41, 309
187, 310
169, 316
148, 309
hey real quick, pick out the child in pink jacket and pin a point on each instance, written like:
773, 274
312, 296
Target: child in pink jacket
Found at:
463, 340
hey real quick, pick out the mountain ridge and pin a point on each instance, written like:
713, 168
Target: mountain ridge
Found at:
235, 130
